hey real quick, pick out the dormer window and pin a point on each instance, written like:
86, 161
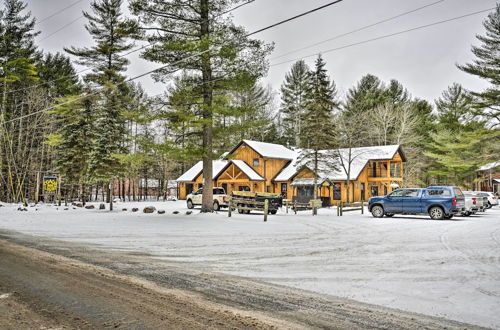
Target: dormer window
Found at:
255, 162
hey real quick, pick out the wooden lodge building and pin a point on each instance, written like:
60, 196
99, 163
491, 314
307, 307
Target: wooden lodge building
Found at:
259, 166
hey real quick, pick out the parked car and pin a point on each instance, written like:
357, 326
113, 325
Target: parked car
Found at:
219, 198
492, 198
440, 202
481, 201
471, 204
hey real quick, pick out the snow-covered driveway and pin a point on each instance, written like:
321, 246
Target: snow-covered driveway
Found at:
443, 268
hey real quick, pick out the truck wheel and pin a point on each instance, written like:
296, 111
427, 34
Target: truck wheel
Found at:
239, 210
377, 211
448, 217
274, 211
216, 206
436, 213
190, 204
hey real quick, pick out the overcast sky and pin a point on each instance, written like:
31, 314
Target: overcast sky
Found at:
424, 60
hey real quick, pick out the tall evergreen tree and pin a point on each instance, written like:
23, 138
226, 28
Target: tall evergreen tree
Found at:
196, 36
365, 96
293, 97
454, 108
487, 66
18, 56
111, 32
321, 101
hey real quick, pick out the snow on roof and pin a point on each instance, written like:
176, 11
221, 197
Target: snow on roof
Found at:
359, 158
252, 175
307, 182
271, 150
489, 166
193, 172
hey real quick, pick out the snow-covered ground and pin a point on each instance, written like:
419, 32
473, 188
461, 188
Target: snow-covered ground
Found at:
443, 268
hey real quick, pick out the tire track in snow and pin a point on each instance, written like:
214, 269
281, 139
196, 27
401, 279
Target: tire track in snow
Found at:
472, 262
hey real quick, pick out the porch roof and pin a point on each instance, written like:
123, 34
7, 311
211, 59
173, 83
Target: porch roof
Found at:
191, 174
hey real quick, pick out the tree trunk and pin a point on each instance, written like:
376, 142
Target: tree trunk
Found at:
315, 181
207, 198
110, 195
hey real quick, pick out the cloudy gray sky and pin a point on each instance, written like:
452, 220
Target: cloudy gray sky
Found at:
423, 60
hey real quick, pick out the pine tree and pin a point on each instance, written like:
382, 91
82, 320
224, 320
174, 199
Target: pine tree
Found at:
486, 66
197, 37
18, 56
58, 76
73, 140
293, 97
111, 32
365, 96
454, 108
318, 121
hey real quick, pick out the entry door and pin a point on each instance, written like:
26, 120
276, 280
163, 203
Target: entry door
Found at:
305, 193
394, 202
189, 188
363, 192
374, 191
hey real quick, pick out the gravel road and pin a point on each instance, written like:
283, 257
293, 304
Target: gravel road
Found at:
47, 283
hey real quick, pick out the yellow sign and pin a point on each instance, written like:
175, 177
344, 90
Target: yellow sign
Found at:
49, 184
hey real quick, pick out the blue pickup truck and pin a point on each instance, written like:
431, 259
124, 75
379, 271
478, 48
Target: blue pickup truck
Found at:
439, 202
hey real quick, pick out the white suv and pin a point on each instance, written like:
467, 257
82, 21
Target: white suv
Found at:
492, 199
220, 198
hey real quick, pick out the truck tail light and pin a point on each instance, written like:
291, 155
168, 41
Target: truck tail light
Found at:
454, 200
474, 200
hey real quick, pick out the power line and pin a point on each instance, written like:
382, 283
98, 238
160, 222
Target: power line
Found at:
357, 30
295, 17
59, 11
176, 62
386, 36
61, 28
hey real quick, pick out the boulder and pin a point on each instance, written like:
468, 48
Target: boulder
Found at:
124, 209
65, 209
175, 212
161, 211
189, 212
90, 207
78, 204
135, 209
149, 209
102, 206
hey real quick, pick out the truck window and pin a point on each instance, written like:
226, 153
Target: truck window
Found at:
411, 193
397, 193
219, 191
439, 192
458, 192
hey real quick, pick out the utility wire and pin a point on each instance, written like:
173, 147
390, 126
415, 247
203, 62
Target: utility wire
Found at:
176, 62
59, 11
295, 17
357, 30
61, 28
385, 36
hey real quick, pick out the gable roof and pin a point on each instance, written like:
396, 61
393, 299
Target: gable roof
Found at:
267, 150
359, 156
197, 169
249, 172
